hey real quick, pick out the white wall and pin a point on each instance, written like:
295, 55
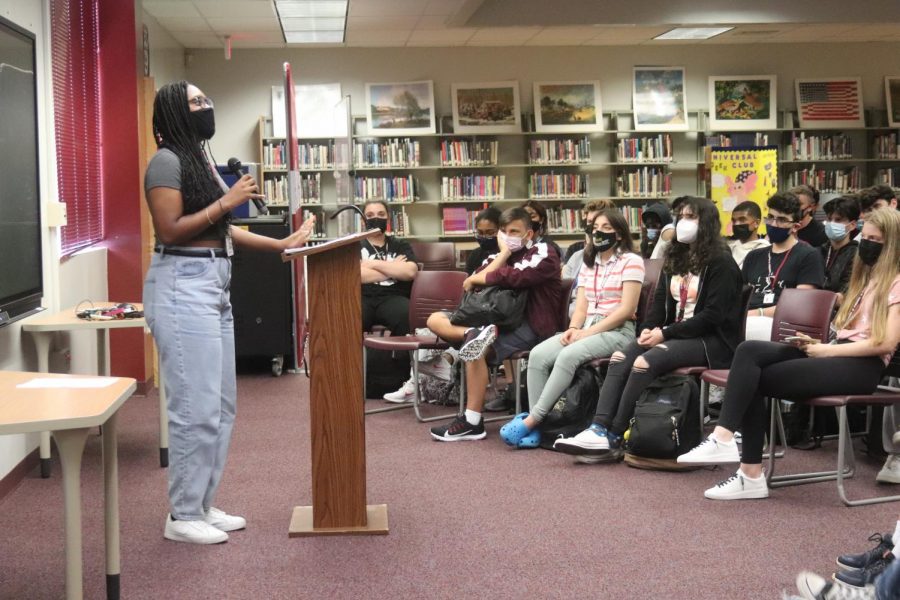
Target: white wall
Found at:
166, 54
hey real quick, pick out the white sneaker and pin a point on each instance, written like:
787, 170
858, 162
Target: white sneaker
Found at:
810, 585
711, 452
223, 521
592, 440
406, 393
193, 532
739, 487
890, 472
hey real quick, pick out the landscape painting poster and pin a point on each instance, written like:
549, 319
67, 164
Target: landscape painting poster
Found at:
659, 99
486, 107
400, 108
567, 107
745, 103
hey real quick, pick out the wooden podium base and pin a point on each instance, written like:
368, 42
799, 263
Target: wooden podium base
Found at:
302, 523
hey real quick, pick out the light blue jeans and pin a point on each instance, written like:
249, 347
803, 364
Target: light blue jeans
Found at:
887, 585
551, 366
188, 310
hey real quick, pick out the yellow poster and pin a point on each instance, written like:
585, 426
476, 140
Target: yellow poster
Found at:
741, 175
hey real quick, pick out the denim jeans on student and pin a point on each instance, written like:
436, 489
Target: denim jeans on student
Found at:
887, 585
187, 306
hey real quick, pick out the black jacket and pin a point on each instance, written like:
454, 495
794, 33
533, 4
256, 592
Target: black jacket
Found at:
718, 314
837, 274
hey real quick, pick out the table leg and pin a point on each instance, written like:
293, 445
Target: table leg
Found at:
70, 443
42, 341
102, 343
111, 504
163, 422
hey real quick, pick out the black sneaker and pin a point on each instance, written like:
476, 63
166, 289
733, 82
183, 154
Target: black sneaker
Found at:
477, 342
861, 561
458, 430
862, 577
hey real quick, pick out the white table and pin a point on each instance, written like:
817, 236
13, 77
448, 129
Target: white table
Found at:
42, 329
69, 413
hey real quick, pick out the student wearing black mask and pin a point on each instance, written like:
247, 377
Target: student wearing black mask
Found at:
487, 224
538, 214
745, 220
842, 215
811, 231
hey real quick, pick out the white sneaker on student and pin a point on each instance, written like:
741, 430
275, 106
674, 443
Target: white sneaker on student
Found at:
223, 521
711, 452
406, 393
890, 472
739, 487
193, 532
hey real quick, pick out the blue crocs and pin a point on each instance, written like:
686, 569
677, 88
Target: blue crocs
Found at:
513, 432
532, 440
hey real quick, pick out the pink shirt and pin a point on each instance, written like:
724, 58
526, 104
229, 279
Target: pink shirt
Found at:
603, 282
860, 325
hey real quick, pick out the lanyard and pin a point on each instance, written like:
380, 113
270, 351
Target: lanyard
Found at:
683, 296
599, 292
772, 279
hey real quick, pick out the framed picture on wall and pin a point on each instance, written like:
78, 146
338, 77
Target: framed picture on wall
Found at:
892, 97
405, 108
486, 107
829, 103
567, 106
742, 103
659, 100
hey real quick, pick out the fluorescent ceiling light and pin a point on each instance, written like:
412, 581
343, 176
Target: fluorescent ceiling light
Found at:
692, 33
314, 37
306, 8
312, 24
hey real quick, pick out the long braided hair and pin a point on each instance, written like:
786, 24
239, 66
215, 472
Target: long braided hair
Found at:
172, 129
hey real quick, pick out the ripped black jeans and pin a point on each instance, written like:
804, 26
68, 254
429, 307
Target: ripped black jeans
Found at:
624, 382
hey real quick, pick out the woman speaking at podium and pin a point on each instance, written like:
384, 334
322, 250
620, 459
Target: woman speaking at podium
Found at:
186, 303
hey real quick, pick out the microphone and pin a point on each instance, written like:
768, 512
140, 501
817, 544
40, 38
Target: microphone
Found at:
349, 207
234, 165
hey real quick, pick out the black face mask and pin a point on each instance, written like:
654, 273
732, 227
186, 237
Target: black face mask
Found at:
488, 243
204, 123
741, 232
536, 227
869, 251
376, 223
604, 241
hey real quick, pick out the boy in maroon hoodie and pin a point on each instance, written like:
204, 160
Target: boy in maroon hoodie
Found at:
521, 263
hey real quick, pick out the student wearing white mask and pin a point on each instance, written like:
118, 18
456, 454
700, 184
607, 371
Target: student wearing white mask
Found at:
842, 214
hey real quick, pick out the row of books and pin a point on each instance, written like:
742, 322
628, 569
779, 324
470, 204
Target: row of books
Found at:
886, 146
469, 153
310, 156
827, 180
458, 220
654, 148
473, 187
319, 229
738, 140
559, 151
394, 152
557, 185
889, 177
633, 217
309, 192
389, 189
646, 182
819, 147
564, 220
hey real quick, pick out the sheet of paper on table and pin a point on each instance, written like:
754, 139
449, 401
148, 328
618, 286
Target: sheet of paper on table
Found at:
68, 382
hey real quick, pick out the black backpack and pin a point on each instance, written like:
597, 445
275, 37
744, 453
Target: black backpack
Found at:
573, 412
666, 420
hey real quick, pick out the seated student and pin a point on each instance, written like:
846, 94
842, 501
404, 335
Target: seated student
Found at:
811, 230
667, 233
521, 263
575, 252
609, 287
842, 213
538, 214
787, 263
868, 331
875, 197
654, 217
695, 319
745, 221
487, 224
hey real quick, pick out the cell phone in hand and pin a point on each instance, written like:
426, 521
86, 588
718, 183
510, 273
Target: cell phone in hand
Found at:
803, 339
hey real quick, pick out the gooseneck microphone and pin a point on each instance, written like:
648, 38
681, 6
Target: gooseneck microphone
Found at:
234, 165
349, 207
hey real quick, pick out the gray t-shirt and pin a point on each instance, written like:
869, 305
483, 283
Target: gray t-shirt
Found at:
164, 170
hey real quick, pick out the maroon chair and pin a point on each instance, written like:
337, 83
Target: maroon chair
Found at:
565, 292
435, 256
432, 291
884, 396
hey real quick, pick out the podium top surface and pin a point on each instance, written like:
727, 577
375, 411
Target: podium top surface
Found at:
295, 253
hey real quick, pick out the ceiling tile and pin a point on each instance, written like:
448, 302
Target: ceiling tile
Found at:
250, 24
169, 8
381, 22
431, 22
356, 38
562, 36
613, 36
235, 9
503, 36
377, 8
174, 25
455, 36
246, 40
198, 40
443, 8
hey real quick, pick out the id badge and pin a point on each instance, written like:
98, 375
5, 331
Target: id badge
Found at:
769, 298
229, 245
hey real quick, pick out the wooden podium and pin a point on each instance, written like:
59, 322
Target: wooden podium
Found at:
337, 422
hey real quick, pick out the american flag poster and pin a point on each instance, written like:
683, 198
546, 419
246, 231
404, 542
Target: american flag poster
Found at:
829, 103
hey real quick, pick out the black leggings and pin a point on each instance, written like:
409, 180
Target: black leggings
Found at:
776, 370
623, 386
390, 311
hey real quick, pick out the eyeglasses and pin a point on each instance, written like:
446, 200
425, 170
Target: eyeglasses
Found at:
201, 102
778, 220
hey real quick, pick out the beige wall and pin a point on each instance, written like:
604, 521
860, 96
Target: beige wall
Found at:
166, 54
